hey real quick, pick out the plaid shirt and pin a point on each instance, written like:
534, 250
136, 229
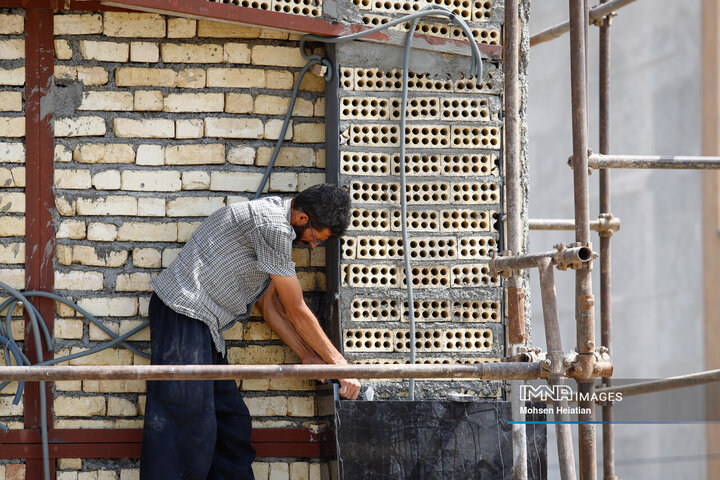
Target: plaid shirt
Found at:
225, 267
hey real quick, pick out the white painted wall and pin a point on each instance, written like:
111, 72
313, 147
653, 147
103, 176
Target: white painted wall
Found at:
657, 255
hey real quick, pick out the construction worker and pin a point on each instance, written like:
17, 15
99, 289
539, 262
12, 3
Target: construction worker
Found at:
240, 256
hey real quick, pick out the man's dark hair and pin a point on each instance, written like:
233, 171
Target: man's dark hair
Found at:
327, 206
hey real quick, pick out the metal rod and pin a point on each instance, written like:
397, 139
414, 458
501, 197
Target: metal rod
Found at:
485, 371
672, 383
530, 260
584, 312
602, 225
608, 433
654, 161
596, 13
566, 455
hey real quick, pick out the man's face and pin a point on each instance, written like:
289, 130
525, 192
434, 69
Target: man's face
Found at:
306, 234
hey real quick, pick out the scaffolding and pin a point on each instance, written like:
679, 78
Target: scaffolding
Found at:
590, 359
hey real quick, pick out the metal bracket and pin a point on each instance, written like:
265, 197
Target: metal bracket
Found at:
560, 259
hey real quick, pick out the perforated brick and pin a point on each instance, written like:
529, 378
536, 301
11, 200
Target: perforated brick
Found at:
418, 108
375, 309
311, 8
417, 220
430, 310
374, 192
471, 165
475, 193
374, 135
476, 311
348, 247
473, 275
368, 340
476, 247
427, 193
445, 340
463, 220
379, 248
364, 108
468, 136
419, 165
433, 248
431, 276
365, 163
371, 276
369, 219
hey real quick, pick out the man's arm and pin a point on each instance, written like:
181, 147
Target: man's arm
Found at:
308, 328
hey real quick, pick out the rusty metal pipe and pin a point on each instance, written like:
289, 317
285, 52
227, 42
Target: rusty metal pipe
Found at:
572, 255
672, 383
484, 371
596, 13
608, 224
654, 161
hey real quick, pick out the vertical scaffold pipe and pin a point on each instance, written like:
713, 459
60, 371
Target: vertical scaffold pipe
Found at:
511, 52
584, 302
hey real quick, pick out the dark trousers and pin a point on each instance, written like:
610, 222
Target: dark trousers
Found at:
194, 429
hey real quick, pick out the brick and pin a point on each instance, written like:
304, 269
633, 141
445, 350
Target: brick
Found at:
107, 180
64, 206
181, 28
150, 155
207, 154
147, 181
11, 102
148, 25
283, 182
148, 101
191, 78
69, 386
239, 103
272, 105
143, 128
186, 229
192, 128
11, 24
14, 277
194, 102
190, 53
12, 253
79, 407
279, 80
301, 257
146, 258
235, 332
133, 282
92, 76
104, 51
274, 127
195, 180
107, 101
110, 205
147, 232
80, 127
312, 281
87, 255
63, 50
13, 226
62, 154
168, 255
106, 474
147, 52
111, 307
257, 355
77, 24
279, 471
291, 384
12, 152
104, 153
121, 407
144, 77
234, 127
267, 406
206, 28
277, 56
241, 156
287, 157
256, 385
311, 82
12, 202
319, 110
12, 127
78, 281
309, 133
317, 257
12, 49
320, 161
65, 423
299, 471
114, 386
306, 180
6, 179
12, 76
194, 206
257, 331
101, 232
235, 78
261, 470
235, 181
65, 73
151, 207
236, 53
69, 463
73, 179
74, 229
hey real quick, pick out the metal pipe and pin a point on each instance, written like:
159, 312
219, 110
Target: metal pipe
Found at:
672, 383
607, 224
608, 433
566, 455
563, 256
596, 13
654, 161
584, 313
484, 371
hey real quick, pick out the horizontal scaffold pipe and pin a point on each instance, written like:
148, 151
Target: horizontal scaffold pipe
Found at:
596, 13
672, 383
557, 257
479, 371
653, 161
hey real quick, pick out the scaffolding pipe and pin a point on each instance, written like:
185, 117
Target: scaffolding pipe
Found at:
672, 383
596, 14
603, 225
654, 161
480, 371
563, 256
608, 433
584, 302
553, 339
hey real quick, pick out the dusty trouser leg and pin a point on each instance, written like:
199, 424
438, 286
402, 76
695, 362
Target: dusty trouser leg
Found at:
180, 425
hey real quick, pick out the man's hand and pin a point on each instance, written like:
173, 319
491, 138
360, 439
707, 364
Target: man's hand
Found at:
349, 388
